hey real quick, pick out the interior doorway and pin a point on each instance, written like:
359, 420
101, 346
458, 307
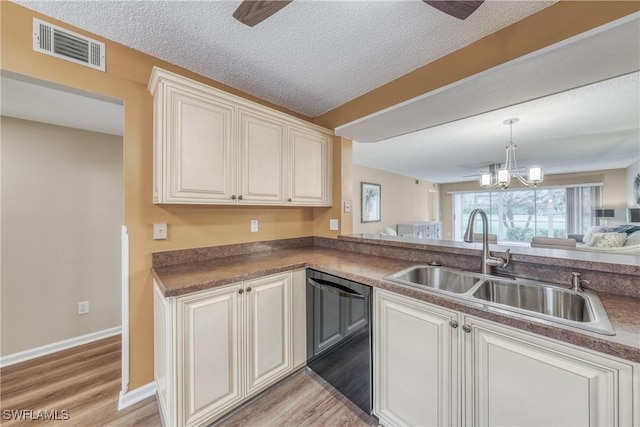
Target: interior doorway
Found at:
61, 218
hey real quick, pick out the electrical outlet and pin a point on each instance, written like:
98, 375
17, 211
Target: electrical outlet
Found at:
83, 307
254, 225
159, 231
333, 224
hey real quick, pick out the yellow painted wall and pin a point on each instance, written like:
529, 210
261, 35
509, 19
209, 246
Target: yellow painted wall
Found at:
126, 78
342, 160
193, 226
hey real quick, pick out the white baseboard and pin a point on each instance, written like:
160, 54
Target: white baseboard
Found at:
23, 356
135, 396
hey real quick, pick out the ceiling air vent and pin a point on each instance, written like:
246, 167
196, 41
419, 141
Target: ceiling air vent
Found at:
65, 44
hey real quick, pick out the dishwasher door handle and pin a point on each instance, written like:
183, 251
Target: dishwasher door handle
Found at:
335, 288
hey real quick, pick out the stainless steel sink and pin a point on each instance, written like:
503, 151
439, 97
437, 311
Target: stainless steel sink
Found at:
549, 303
547, 300
436, 278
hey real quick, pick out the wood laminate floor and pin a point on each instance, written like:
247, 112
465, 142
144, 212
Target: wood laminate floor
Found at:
304, 399
85, 382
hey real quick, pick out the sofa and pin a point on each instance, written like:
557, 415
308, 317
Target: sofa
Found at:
624, 239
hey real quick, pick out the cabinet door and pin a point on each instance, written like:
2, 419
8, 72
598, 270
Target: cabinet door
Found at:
415, 362
262, 147
268, 330
163, 362
514, 378
209, 356
309, 167
200, 161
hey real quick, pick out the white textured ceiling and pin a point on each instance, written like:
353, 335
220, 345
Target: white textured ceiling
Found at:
31, 99
594, 127
310, 57
600, 54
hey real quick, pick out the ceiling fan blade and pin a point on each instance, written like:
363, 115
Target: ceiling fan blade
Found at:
253, 12
459, 8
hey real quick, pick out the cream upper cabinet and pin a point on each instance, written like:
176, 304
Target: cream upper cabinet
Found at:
415, 362
262, 158
212, 147
215, 349
513, 378
194, 147
309, 167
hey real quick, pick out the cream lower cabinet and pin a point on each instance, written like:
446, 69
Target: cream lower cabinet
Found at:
515, 378
507, 377
215, 349
415, 362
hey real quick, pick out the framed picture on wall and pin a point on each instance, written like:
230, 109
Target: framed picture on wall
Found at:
371, 202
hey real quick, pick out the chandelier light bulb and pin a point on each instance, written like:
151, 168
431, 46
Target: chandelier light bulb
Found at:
510, 168
535, 174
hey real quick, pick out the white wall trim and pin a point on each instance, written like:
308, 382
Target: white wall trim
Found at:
134, 396
124, 310
23, 356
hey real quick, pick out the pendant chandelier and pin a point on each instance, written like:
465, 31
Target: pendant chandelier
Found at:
500, 175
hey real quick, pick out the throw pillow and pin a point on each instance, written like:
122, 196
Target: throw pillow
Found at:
593, 239
587, 237
594, 229
633, 239
388, 231
611, 240
626, 228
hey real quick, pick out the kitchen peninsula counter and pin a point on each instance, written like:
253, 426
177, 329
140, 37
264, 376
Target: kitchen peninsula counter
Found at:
179, 273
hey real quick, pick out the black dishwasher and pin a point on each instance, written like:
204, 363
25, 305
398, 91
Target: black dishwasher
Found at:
339, 335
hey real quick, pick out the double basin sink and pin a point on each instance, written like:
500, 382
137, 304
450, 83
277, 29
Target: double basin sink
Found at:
543, 301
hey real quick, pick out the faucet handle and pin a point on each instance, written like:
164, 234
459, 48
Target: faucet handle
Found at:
508, 257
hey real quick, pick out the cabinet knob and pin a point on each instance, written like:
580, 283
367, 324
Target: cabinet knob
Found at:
453, 324
249, 289
240, 291
233, 197
239, 197
466, 328
289, 200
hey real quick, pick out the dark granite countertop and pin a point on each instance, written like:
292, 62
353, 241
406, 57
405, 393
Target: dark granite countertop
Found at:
180, 279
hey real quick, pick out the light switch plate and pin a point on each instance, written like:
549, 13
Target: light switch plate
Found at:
333, 224
160, 231
254, 225
347, 206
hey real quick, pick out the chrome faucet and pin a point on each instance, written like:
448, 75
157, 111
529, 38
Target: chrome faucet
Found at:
487, 259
